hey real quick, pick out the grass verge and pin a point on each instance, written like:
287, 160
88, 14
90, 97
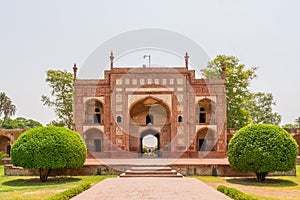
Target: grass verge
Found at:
274, 188
29, 187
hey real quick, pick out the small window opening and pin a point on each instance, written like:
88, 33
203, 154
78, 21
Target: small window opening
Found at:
180, 118
97, 116
119, 119
149, 120
202, 115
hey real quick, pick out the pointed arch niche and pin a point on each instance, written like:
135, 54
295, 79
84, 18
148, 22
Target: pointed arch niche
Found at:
93, 112
206, 111
149, 111
94, 140
206, 140
5, 144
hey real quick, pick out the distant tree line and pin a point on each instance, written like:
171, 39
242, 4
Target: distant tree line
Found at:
295, 125
8, 109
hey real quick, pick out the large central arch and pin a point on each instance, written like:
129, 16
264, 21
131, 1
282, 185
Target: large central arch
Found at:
150, 111
149, 116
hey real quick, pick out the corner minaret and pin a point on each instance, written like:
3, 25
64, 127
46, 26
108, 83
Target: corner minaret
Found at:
111, 60
223, 67
74, 72
186, 58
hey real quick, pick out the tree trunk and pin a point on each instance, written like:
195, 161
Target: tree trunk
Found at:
4, 118
261, 177
44, 173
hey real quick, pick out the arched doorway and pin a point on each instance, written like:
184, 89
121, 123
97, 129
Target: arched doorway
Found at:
147, 115
206, 140
5, 144
149, 143
94, 140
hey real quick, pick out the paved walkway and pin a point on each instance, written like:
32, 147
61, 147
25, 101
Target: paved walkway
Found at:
151, 188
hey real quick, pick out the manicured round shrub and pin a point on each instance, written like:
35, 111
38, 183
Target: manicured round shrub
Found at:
49, 148
262, 148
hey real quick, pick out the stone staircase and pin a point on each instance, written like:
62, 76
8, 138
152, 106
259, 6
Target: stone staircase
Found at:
151, 171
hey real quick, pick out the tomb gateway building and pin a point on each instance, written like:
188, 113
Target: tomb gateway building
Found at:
186, 115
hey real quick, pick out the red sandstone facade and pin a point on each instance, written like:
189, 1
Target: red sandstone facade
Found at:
186, 115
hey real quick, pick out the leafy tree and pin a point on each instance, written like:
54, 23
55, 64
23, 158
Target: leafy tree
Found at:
296, 125
243, 106
20, 123
7, 108
49, 148
262, 148
56, 123
238, 95
61, 99
261, 109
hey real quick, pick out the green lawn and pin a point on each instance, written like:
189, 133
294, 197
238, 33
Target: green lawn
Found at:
29, 187
276, 187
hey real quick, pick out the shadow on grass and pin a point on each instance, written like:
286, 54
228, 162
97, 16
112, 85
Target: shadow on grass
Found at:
37, 182
271, 182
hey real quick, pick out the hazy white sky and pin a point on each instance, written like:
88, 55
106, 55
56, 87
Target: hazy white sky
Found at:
39, 35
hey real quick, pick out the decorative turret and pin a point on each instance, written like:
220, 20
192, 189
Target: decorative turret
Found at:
74, 72
186, 58
111, 60
223, 67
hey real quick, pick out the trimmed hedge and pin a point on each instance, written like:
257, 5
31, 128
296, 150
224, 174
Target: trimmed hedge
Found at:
66, 195
262, 148
234, 193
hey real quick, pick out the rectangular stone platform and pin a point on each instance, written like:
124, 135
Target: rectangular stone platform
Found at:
199, 167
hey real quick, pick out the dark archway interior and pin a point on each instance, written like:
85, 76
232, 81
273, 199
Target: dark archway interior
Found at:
146, 133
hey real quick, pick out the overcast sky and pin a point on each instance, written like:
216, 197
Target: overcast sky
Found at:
36, 36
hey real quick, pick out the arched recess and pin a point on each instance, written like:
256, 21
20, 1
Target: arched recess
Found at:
93, 112
150, 111
94, 140
206, 140
5, 144
147, 133
297, 138
206, 111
